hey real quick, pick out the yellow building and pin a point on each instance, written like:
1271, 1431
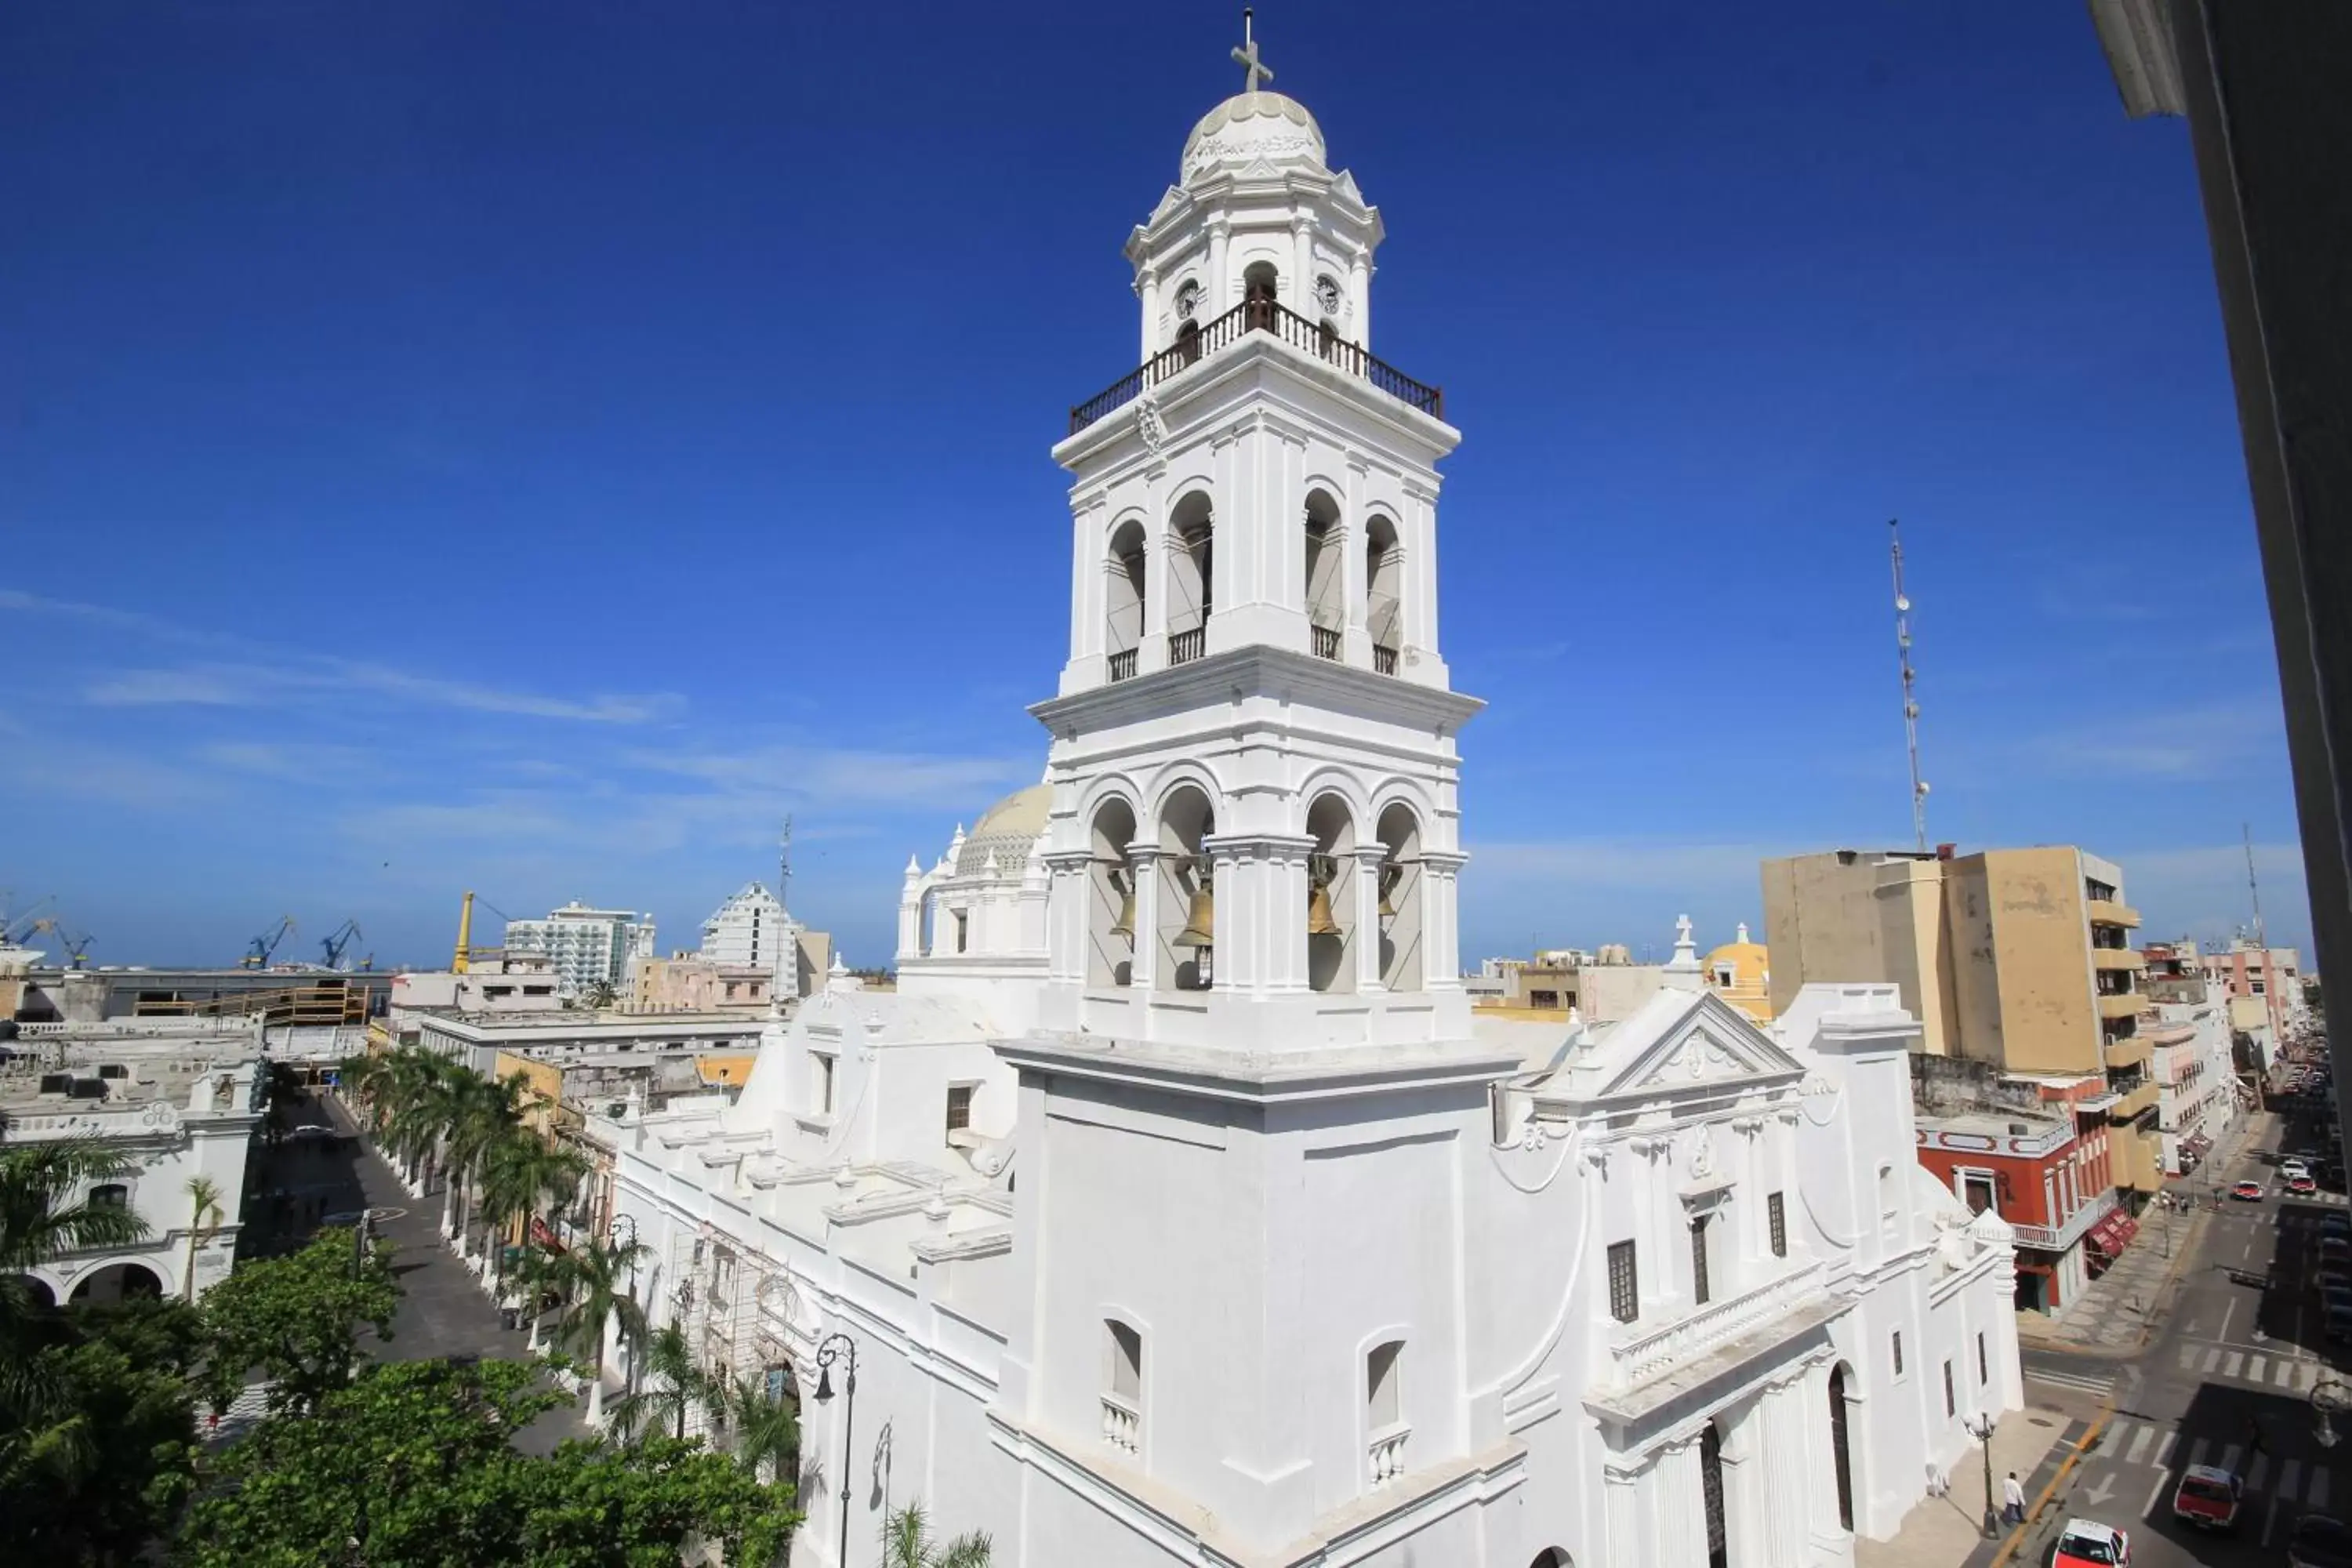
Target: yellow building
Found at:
1741, 972
2021, 958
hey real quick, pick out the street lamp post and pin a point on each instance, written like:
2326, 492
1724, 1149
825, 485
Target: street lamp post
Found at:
1980, 1427
841, 1348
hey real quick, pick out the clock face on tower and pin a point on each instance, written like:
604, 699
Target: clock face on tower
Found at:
1327, 295
1187, 299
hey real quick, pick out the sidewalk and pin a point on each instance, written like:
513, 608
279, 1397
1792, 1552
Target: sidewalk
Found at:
2114, 1313
1947, 1531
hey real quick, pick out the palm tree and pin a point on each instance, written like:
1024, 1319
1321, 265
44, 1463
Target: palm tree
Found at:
36, 1224
767, 1428
595, 1286
203, 1223
484, 1111
682, 1385
517, 1171
599, 994
907, 1543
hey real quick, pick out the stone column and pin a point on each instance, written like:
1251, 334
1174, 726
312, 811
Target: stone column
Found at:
1678, 1497
1440, 948
1786, 1483
1143, 977
1364, 930
1302, 244
1360, 292
1220, 296
1147, 284
1831, 1543
1070, 914
1626, 1512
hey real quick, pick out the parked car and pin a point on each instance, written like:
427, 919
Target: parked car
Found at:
2336, 1224
2207, 1498
2319, 1542
2334, 1250
2301, 1186
2331, 1281
2087, 1543
2338, 1328
2247, 1192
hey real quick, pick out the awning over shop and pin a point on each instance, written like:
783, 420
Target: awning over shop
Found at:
2113, 1233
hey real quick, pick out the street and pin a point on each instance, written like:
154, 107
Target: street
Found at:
2225, 1380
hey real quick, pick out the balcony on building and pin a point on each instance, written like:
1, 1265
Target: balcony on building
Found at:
2107, 912
2114, 959
2117, 1006
1237, 326
2139, 1098
2128, 1053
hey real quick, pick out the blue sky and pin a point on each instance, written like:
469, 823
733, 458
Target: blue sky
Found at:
532, 447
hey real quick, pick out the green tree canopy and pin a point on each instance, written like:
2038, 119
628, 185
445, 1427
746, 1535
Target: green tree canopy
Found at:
295, 1321
411, 1467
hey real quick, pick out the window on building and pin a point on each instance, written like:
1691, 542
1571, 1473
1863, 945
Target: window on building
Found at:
1383, 1398
1699, 1292
1984, 1368
1887, 1193
2256, 985
111, 1195
1625, 1284
1543, 998
959, 1106
1977, 1189
1124, 1347
1897, 1341
962, 919
1776, 1217
822, 1066
1951, 1397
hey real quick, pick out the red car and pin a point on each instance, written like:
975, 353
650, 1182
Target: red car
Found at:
2087, 1544
2247, 1192
2207, 1498
2301, 1186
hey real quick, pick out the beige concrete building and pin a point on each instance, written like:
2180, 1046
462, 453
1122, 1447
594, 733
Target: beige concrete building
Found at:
2021, 958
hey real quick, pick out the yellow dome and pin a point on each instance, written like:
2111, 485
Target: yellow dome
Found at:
1741, 972
1008, 830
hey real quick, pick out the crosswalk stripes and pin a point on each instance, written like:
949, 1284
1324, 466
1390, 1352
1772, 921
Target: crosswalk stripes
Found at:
2133, 1442
2089, 1383
2257, 1367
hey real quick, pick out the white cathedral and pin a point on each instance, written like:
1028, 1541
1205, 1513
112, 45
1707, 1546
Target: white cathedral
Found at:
1175, 1208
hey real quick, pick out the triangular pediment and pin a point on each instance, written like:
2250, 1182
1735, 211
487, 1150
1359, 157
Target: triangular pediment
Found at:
1675, 1042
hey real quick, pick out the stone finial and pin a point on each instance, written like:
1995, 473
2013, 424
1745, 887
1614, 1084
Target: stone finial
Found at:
1743, 931
914, 868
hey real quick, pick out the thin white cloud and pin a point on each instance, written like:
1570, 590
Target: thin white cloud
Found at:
849, 775
255, 685
2185, 744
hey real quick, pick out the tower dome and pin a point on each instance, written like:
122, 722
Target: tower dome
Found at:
1249, 127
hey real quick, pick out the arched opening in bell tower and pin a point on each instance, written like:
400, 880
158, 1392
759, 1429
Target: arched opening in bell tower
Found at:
1191, 577
1331, 894
1123, 599
1185, 910
1383, 593
1327, 613
1400, 900
1113, 905
1260, 287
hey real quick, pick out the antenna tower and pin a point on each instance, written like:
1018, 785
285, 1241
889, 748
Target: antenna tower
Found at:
1910, 696
2262, 938
785, 864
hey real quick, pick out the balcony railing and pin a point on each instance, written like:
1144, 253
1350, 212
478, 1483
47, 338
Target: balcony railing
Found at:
1183, 647
1327, 642
1122, 664
1384, 660
1259, 316
1640, 1353
2058, 1238
1388, 1453
1122, 1424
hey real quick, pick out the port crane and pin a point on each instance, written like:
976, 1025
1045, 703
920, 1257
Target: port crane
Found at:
77, 945
265, 946
333, 944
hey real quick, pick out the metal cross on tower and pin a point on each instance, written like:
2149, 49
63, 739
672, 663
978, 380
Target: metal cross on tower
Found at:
1245, 57
1910, 694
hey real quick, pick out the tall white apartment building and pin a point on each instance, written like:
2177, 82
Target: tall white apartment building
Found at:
586, 945
748, 930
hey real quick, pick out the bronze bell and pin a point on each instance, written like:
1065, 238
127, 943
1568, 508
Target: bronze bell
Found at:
1318, 913
1201, 923
1392, 874
1125, 925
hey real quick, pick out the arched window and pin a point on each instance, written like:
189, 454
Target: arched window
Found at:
1260, 288
1123, 599
1383, 593
1191, 578
1331, 894
1186, 900
1384, 1411
1327, 613
1400, 902
1122, 1397
1113, 906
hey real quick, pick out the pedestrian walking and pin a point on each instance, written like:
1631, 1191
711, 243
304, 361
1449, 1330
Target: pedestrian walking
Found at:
2012, 1501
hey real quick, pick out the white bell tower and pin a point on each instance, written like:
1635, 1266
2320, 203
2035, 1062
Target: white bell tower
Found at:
1254, 842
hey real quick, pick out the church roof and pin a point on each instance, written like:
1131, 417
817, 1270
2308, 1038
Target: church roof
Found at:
1249, 126
1007, 829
